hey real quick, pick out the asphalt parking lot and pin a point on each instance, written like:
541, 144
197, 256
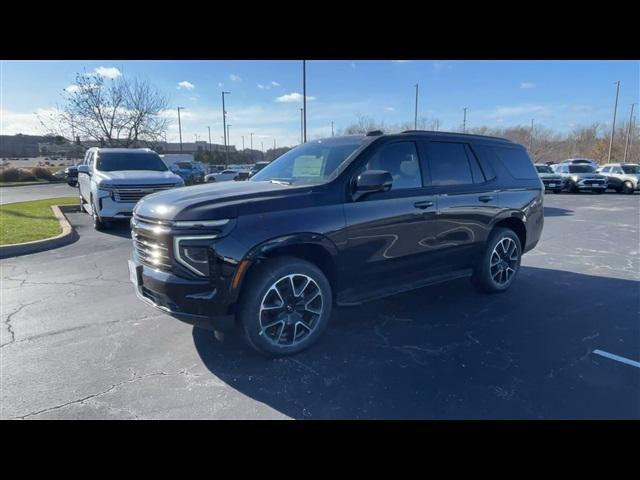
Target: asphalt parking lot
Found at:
77, 343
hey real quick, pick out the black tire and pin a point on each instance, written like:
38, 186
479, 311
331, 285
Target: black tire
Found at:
599, 191
627, 187
557, 190
483, 276
98, 223
284, 321
573, 188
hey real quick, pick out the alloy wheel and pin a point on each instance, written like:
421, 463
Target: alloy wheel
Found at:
504, 261
290, 310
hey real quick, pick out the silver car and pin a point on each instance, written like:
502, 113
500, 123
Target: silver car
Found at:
552, 181
622, 177
581, 177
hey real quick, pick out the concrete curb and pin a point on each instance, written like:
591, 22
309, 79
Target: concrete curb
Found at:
32, 184
68, 235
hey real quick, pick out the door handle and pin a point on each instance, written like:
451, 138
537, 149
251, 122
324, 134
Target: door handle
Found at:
486, 198
423, 205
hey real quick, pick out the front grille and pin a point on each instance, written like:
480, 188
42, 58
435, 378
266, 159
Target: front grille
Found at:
133, 193
151, 251
594, 182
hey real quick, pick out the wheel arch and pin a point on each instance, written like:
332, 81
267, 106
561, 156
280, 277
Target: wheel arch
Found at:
514, 222
312, 247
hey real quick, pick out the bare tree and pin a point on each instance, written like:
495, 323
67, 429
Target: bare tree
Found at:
119, 112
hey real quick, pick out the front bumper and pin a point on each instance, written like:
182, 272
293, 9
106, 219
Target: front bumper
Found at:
110, 209
197, 303
596, 186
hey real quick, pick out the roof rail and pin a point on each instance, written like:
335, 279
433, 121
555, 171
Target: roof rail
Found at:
457, 133
375, 133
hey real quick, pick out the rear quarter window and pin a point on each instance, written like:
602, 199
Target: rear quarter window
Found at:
517, 162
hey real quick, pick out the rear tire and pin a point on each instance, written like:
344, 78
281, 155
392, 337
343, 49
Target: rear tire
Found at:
500, 262
285, 306
573, 188
627, 187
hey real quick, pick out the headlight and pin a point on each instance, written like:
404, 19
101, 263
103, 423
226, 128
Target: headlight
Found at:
105, 186
193, 253
574, 178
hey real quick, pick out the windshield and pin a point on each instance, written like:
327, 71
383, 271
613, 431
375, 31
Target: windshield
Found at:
184, 165
635, 169
308, 164
581, 168
543, 169
113, 162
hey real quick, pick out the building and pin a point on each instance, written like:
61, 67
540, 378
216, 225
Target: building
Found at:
189, 147
12, 146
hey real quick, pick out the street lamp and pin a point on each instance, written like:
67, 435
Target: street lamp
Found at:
180, 126
228, 137
251, 139
224, 128
209, 128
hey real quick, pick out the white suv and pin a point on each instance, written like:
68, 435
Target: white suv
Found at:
112, 180
623, 177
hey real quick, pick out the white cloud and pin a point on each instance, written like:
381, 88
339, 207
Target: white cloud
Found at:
581, 108
27, 123
389, 109
72, 89
516, 110
527, 85
438, 66
353, 65
275, 84
186, 85
292, 97
108, 72
268, 86
220, 84
400, 61
235, 78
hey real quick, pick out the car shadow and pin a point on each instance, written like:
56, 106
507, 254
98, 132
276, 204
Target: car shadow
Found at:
557, 212
118, 228
449, 352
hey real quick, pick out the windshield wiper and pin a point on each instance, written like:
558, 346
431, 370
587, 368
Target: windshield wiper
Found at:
280, 181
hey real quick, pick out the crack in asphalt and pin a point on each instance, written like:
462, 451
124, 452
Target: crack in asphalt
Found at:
113, 387
7, 321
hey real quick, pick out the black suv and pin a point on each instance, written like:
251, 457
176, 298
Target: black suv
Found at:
334, 222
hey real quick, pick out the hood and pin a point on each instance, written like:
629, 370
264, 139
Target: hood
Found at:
211, 201
138, 177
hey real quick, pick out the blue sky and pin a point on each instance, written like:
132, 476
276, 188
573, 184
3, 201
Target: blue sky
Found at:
266, 95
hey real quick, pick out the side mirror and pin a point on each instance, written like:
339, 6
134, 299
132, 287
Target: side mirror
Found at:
371, 181
84, 169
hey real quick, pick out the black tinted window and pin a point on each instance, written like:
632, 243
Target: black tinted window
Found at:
449, 164
517, 162
401, 161
113, 162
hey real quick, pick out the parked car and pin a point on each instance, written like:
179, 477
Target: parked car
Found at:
224, 176
189, 172
71, 175
337, 221
112, 180
582, 177
622, 177
551, 180
257, 167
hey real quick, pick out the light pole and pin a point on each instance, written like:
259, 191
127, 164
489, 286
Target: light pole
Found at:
332, 128
228, 137
626, 143
464, 121
304, 98
613, 125
180, 126
274, 143
224, 129
243, 143
531, 135
301, 126
251, 140
415, 119
209, 128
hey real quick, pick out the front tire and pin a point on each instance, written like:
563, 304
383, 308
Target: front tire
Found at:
285, 306
557, 190
627, 187
499, 263
98, 223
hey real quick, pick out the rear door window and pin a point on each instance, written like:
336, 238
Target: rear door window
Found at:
449, 164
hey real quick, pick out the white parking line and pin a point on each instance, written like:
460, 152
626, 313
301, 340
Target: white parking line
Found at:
617, 358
